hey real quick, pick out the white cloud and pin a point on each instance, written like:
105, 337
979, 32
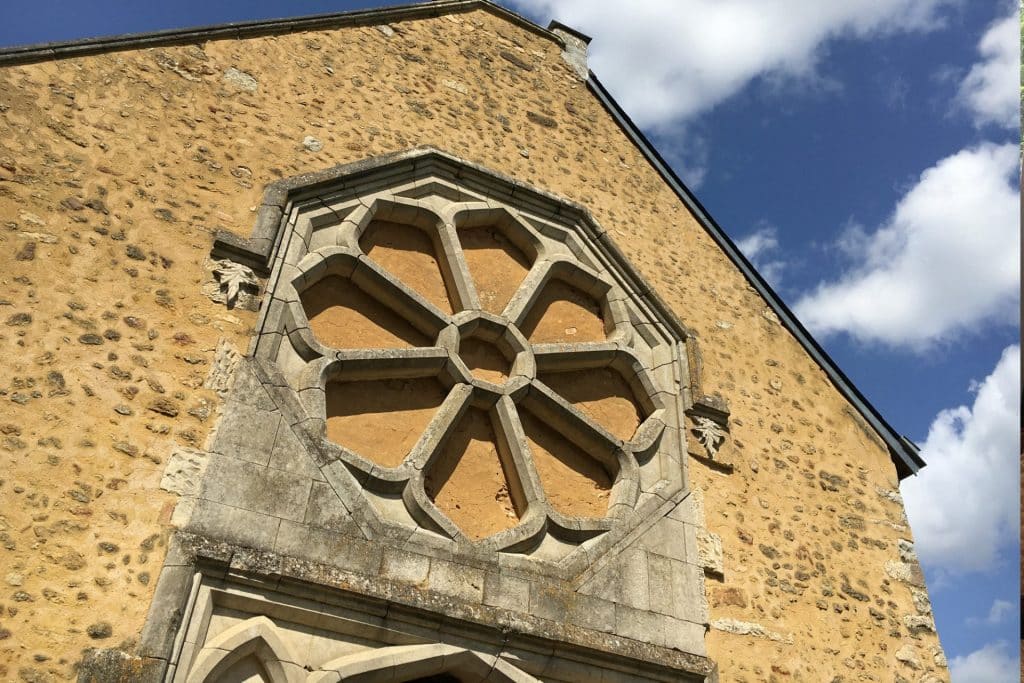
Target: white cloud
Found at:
946, 261
761, 248
964, 506
668, 60
991, 89
991, 664
759, 242
687, 151
997, 613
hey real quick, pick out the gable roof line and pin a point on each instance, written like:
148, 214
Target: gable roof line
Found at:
28, 54
904, 453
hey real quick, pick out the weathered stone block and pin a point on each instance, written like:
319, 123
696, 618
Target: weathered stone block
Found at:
115, 666
330, 548
184, 471
404, 566
506, 591
908, 572
659, 629
242, 484
290, 455
246, 433
459, 580
634, 579
555, 603
326, 510
918, 623
907, 654
685, 636
685, 511
666, 537
165, 611
709, 551
233, 525
676, 588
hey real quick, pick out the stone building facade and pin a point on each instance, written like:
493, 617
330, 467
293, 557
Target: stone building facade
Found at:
382, 346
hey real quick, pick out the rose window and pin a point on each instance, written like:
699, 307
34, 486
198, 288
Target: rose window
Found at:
474, 372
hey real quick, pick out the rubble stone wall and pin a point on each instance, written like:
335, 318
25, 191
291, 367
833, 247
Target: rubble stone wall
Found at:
115, 171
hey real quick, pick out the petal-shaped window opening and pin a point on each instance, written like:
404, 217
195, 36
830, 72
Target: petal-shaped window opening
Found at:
564, 314
411, 255
496, 264
382, 420
343, 316
575, 484
468, 480
602, 394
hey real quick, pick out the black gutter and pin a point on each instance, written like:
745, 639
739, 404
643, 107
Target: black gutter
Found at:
903, 451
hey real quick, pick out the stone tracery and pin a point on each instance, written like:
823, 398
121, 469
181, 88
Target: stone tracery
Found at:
547, 401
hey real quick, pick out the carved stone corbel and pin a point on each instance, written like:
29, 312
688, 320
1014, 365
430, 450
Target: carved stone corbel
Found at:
233, 284
709, 425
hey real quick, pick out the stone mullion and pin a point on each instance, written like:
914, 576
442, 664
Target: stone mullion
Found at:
532, 490
573, 423
457, 269
425, 453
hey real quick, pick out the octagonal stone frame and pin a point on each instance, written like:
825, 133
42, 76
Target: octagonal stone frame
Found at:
309, 227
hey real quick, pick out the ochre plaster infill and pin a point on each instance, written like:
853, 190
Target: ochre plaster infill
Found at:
381, 420
602, 394
575, 483
343, 316
497, 265
410, 254
484, 360
468, 482
564, 314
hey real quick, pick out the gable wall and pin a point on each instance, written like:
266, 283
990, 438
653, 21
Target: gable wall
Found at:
816, 584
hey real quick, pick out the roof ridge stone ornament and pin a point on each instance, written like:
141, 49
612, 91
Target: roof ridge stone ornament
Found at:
575, 51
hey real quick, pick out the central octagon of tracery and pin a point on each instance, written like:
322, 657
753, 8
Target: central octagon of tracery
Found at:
476, 370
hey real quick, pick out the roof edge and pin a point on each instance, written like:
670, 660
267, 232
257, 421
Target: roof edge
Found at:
41, 52
904, 453
555, 25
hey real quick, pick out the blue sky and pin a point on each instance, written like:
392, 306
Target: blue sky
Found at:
863, 155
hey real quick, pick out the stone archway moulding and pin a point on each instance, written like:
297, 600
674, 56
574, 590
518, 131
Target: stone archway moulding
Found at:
276, 661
